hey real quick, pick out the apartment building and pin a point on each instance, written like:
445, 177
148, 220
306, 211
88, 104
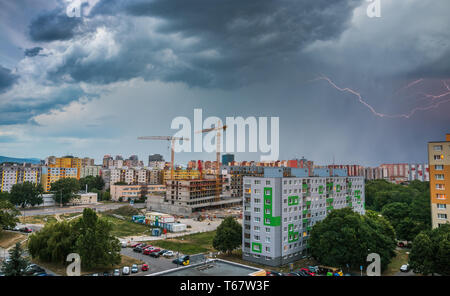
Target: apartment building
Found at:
135, 176
52, 174
127, 192
11, 174
281, 207
439, 165
90, 170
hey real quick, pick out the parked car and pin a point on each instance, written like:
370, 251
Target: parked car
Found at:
116, 272
126, 270
183, 260
302, 273
134, 268
401, 244
293, 274
155, 254
405, 268
106, 273
162, 252
33, 268
314, 269
124, 244
168, 253
26, 229
138, 249
273, 273
308, 271
144, 267
147, 251
135, 245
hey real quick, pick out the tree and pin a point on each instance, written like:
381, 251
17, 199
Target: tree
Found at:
53, 242
345, 237
121, 183
430, 252
17, 263
88, 236
8, 214
228, 235
408, 229
4, 195
26, 193
92, 183
395, 212
65, 189
95, 244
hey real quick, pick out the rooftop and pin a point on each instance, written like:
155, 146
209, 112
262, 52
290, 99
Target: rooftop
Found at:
215, 267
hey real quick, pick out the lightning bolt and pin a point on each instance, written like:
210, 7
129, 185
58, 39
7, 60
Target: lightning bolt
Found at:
382, 115
411, 84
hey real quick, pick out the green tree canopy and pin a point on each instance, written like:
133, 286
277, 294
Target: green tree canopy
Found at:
228, 235
430, 252
17, 263
89, 236
64, 190
395, 212
345, 237
92, 183
8, 214
26, 194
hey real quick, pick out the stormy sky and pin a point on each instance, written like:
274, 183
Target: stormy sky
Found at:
345, 86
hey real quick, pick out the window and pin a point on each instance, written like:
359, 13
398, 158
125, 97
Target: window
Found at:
257, 210
267, 182
437, 148
439, 167
441, 206
438, 157
440, 196
440, 186
439, 177
442, 216
268, 239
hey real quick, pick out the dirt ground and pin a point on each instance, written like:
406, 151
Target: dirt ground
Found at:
9, 238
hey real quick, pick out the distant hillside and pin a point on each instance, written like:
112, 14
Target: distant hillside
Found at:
19, 160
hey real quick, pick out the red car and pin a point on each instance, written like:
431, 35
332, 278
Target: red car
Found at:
135, 245
144, 267
147, 251
308, 271
154, 250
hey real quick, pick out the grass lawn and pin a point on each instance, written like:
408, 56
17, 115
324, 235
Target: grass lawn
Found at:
397, 262
61, 269
9, 239
189, 244
69, 215
122, 228
42, 219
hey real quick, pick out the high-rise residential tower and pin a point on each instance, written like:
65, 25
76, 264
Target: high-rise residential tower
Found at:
439, 165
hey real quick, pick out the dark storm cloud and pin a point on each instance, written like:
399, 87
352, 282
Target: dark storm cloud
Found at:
236, 39
7, 79
32, 52
438, 68
53, 25
21, 110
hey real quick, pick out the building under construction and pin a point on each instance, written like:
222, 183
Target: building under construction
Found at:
183, 197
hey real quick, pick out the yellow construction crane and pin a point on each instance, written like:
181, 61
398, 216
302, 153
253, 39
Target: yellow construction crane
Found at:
172, 140
217, 128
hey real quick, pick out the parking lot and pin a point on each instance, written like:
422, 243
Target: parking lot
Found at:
155, 264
